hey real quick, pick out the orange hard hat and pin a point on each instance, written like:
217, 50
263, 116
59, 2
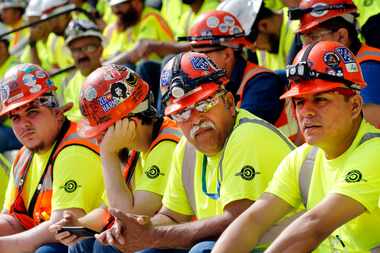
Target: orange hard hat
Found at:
109, 94
23, 84
323, 66
189, 78
313, 12
217, 28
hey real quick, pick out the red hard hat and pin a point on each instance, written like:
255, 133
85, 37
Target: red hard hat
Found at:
22, 84
215, 28
323, 66
109, 94
313, 12
189, 78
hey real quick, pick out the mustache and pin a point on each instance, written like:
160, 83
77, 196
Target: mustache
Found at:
203, 125
84, 59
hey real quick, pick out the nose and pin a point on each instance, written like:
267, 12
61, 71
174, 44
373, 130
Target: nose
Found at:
307, 110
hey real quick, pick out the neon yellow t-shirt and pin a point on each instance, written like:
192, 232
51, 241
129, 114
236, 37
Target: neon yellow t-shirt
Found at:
10, 62
172, 11
76, 167
152, 169
189, 17
333, 176
274, 5
71, 93
42, 54
288, 31
245, 173
4, 175
150, 27
58, 53
366, 8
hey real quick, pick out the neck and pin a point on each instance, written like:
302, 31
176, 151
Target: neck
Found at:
334, 150
196, 6
144, 137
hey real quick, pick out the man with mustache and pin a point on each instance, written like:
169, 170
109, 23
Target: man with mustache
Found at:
218, 170
84, 40
56, 170
335, 176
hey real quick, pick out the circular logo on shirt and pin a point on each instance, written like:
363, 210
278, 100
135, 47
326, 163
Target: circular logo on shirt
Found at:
353, 176
153, 172
70, 186
247, 173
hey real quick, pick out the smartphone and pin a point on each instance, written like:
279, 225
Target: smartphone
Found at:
79, 231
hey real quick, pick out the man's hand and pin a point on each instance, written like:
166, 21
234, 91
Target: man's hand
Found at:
66, 237
129, 233
118, 136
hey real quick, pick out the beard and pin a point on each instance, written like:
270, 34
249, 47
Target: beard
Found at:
128, 19
188, 2
274, 42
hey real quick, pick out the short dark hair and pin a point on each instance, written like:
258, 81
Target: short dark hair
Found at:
370, 31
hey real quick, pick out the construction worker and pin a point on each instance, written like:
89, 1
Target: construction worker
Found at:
11, 13
220, 36
35, 199
8, 140
339, 24
84, 40
132, 123
272, 33
59, 55
135, 22
219, 169
334, 176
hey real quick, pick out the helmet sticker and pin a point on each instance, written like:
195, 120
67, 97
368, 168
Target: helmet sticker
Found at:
228, 20
223, 28
331, 59
235, 30
40, 74
119, 91
4, 92
345, 54
165, 75
318, 13
35, 88
107, 102
90, 94
352, 67
119, 68
131, 79
207, 33
29, 80
109, 76
212, 22
200, 63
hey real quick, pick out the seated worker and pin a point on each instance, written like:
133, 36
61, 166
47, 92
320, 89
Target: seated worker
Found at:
220, 36
136, 147
339, 24
219, 169
335, 175
34, 198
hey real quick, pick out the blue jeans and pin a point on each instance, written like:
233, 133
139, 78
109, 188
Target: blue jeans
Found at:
91, 245
52, 248
202, 247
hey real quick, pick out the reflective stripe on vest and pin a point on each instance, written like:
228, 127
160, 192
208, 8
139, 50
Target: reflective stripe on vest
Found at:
4, 165
367, 53
307, 168
189, 158
40, 210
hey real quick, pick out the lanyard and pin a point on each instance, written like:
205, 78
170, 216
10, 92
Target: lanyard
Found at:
216, 195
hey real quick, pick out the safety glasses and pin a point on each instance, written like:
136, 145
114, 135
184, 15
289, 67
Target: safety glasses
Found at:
201, 106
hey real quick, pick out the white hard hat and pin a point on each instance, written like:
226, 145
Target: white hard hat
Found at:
3, 29
51, 7
34, 8
245, 10
81, 28
13, 4
115, 2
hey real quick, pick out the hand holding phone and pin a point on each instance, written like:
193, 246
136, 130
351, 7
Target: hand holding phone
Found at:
79, 231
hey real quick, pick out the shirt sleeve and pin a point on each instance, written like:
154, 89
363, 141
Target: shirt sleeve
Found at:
246, 175
262, 97
175, 197
157, 168
371, 70
361, 178
78, 181
285, 183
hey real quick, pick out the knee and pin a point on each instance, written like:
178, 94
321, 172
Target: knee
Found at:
202, 247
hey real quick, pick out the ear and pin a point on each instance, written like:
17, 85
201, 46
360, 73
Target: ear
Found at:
357, 105
263, 25
343, 36
229, 101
